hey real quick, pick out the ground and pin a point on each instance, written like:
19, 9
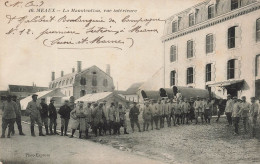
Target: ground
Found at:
202, 143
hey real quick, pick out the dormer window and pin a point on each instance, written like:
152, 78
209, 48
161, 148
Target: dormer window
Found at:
235, 4
191, 19
174, 26
211, 11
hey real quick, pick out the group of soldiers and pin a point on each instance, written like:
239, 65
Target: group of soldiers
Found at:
174, 111
102, 117
239, 109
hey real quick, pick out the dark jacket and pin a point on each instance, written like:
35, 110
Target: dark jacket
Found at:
44, 110
134, 112
65, 112
52, 111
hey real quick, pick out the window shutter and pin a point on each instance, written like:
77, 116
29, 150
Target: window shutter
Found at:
213, 72
237, 70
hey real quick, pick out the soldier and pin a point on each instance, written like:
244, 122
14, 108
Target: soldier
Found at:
208, 110
228, 109
87, 112
198, 107
133, 115
253, 113
152, 106
98, 115
172, 115
245, 107
122, 112
236, 113
18, 119
203, 108
147, 116
81, 119
157, 113
105, 124
53, 117
163, 107
65, 117
33, 108
192, 110
44, 114
8, 117
111, 118
177, 111
186, 109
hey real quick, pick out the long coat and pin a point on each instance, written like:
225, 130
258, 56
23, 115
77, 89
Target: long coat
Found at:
9, 110
98, 115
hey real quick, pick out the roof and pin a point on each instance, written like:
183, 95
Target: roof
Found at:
43, 94
133, 88
95, 97
24, 88
150, 94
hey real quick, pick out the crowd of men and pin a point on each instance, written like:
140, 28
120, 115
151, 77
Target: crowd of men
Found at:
105, 118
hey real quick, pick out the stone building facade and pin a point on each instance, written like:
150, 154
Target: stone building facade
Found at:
214, 45
82, 82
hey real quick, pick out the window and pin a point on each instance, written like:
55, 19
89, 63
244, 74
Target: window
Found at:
211, 12
232, 69
173, 78
190, 49
232, 37
209, 43
257, 65
189, 75
67, 81
173, 53
208, 72
174, 26
83, 81
105, 82
191, 19
71, 80
94, 81
234, 4
258, 30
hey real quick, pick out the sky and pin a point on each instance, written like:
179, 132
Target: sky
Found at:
24, 60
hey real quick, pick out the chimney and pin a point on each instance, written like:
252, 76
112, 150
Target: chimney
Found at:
108, 69
79, 66
52, 76
73, 70
62, 73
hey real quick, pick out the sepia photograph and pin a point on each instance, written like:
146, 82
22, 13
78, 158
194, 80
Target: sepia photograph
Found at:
130, 81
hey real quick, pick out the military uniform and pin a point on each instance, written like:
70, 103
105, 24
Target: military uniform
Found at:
198, 109
65, 117
186, 109
133, 115
228, 110
18, 119
44, 115
245, 107
177, 112
8, 117
111, 119
236, 113
98, 115
147, 116
33, 108
122, 117
253, 113
53, 118
157, 114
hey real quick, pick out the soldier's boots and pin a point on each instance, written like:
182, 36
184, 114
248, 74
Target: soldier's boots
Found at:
55, 131
125, 132
86, 134
21, 131
51, 132
32, 131
65, 133
40, 131
47, 130
9, 133
61, 131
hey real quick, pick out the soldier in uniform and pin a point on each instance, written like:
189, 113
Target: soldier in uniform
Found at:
198, 108
236, 113
186, 109
228, 109
98, 115
87, 112
8, 117
157, 113
44, 114
122, 112
152, 106
33, 108
53, 117
65, 117
80, 114
18, 119
245, 107
253, 113
163, 107
111, 118
147, 116
177, 111
133, 115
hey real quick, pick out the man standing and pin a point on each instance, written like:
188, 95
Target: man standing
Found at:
133, 115
8, 117
53, 117
157, 113
98, 115
236, 113
44, 114
254, 109
111, 117
163, 107
152, 106
198, 107
65, 117
33, 108
87, 112
245, 107
177, 111
186, 109
147, 116
122, 112
168, 112
18, 119
228, 109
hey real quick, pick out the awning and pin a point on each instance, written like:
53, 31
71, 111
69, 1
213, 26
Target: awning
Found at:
236, 84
